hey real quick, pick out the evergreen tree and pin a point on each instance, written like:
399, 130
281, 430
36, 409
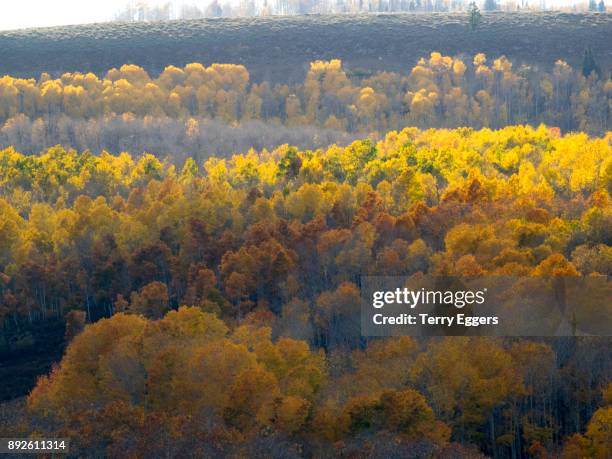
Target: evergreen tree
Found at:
588, 63
475, 15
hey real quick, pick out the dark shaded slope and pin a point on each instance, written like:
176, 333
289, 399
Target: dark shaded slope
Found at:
28, 353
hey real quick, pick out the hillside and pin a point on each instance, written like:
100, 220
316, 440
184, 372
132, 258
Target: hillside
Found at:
281, 48
226, 298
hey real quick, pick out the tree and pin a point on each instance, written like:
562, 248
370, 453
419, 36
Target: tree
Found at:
597, 440
463, 386
151, 301
214, 10
404, 412
474, 16
75, 323
491, 5
337, 315
124, 374
588, 63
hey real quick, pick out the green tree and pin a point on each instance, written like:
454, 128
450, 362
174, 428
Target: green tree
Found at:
588, 62
474, 15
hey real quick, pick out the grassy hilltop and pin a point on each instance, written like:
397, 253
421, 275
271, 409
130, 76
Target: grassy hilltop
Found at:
280, 49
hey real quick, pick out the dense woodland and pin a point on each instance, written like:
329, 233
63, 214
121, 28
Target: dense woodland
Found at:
210, 306
121, 109
172, 138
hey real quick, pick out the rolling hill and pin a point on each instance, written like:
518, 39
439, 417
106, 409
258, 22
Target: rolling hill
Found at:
279, 49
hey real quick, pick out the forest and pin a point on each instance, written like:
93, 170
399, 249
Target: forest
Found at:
209, 305
197, 111
188, 210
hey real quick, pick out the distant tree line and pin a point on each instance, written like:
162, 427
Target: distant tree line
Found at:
172, 138
439, 91
143, 11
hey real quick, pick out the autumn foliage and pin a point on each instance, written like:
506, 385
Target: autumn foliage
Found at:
439, 91
220, 297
